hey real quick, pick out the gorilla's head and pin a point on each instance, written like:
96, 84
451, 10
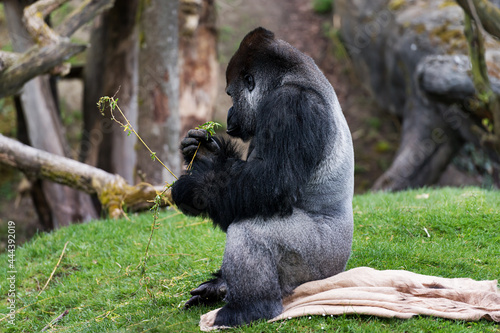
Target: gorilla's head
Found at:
255, 69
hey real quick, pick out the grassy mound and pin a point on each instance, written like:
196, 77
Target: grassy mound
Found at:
98, 280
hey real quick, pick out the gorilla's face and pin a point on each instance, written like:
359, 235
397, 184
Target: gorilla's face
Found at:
253, 72
247, 83
246, 95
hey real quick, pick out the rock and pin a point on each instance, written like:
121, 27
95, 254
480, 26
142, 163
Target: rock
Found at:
412, 55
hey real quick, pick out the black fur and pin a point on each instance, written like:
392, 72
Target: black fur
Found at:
209, 292
287, 207
227, 189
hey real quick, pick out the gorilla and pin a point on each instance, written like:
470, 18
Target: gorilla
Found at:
287, 207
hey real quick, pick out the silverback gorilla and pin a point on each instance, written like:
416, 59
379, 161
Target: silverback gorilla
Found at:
287, 207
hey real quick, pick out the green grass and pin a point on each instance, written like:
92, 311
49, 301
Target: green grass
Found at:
98, 282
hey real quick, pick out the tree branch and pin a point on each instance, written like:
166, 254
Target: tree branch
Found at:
112, 190
475, 42
7, 59
80, 16
53, 47
488, 14
34, 22
36, 61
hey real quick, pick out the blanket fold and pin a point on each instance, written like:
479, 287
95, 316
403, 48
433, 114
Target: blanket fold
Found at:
390, 293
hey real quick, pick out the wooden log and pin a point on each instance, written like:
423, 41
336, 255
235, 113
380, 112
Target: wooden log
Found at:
112, 190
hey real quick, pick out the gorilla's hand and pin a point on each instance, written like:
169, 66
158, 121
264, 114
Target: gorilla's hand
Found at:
201, 140
207, 293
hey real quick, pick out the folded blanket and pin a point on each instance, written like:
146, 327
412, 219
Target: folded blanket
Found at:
391, 294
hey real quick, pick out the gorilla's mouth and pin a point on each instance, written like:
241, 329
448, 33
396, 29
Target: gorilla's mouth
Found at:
233, 131
233, 128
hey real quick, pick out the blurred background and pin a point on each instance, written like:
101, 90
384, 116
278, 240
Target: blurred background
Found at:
400, 68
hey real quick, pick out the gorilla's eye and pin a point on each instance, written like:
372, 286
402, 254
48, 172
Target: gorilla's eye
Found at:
249, 82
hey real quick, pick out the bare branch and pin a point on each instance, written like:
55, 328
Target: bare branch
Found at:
45, 7
7, 59
486, 12
53, 47
38, 60
34, 22
475, 41
59, 318
113, 191
87, 11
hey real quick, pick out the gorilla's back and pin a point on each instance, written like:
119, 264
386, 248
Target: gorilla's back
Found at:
331, 187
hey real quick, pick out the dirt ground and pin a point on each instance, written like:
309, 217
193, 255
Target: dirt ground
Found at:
375, 134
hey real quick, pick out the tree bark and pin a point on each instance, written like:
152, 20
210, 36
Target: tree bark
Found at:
487, 12
53, 48
34, 63
412, 58
198, 62
112, 70
479, 70
40, 203
88, 10
159, 122
112, 190
45, 129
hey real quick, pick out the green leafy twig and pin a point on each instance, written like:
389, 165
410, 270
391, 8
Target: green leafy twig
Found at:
155, 225
113, 104
210, 127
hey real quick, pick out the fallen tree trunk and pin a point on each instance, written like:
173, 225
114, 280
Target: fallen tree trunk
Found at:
112, 190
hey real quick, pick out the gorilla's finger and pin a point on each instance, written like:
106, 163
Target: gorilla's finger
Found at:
203, 290
213, 289
189, 150
199, 300
212, 145
188, 142
199, 134
209, 292
193, 301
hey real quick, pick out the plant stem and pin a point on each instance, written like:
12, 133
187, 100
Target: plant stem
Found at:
129, 126
192, 160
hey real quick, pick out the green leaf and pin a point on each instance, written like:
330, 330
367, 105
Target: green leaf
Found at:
210, 127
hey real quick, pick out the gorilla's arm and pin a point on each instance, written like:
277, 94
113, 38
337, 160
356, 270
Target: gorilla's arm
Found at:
293, 125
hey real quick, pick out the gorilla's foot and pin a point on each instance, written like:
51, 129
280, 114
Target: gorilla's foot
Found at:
236, 315
207, 293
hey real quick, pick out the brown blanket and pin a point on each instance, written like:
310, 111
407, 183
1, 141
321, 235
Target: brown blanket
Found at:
390, 293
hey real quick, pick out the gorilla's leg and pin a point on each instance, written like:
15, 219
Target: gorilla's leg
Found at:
265, 260
209, 292
250, 271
